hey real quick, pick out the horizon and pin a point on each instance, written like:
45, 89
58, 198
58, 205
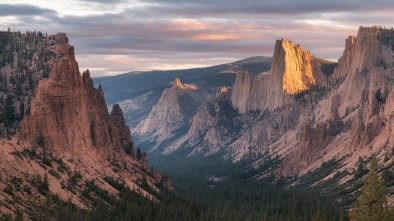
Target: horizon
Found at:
122, 36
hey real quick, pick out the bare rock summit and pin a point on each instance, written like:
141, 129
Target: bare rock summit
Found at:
293, 70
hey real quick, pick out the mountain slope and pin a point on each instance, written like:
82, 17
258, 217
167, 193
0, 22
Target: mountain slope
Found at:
69, 146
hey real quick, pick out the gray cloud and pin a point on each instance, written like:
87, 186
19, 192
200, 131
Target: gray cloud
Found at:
161, 33
103, 1
263, 7
23, 10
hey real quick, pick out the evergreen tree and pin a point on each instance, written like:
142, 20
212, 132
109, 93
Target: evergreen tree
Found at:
129, 148
372, 204
44, 187
139, 154
361, 170
9, 111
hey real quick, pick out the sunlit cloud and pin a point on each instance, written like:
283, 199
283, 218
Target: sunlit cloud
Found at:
192, 24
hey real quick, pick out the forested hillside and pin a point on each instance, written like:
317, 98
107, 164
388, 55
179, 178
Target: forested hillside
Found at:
24, 60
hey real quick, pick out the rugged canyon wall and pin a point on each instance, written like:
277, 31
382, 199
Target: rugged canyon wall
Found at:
293, 70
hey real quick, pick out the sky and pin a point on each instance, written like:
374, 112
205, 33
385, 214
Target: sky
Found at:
118, 36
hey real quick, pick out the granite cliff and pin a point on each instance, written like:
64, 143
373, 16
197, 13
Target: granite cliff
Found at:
168, 120
293, 70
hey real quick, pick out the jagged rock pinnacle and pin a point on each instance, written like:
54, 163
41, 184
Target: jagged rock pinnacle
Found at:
178, 84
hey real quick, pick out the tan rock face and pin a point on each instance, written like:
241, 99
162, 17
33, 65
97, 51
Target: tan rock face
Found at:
70, 112
178, 84
293, 70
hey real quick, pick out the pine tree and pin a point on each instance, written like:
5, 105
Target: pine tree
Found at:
129, 148
9, 111
139, 154
372, 204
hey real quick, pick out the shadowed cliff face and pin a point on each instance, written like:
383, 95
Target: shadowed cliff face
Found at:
293, 70
70, 113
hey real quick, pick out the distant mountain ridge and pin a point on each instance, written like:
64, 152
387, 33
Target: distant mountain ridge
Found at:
138, 93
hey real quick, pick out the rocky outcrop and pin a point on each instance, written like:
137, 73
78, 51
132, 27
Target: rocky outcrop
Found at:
293, 70
177, 83
119, 122
69, 112
169, 119
213, 127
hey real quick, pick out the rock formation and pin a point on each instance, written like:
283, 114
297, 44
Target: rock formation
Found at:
119, 122
169, 118
177, 83
293, 70
69, 138
354, 117
69, 112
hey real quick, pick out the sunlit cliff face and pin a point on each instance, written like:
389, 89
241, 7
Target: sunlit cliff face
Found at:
299, 68
178, 84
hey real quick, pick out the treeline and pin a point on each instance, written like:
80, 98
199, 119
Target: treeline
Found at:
257, 203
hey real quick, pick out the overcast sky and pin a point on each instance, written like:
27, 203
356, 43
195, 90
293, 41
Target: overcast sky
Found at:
118, 36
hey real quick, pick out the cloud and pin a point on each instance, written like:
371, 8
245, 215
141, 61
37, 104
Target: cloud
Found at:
281, 7
103, 1
23, 10
160, 34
